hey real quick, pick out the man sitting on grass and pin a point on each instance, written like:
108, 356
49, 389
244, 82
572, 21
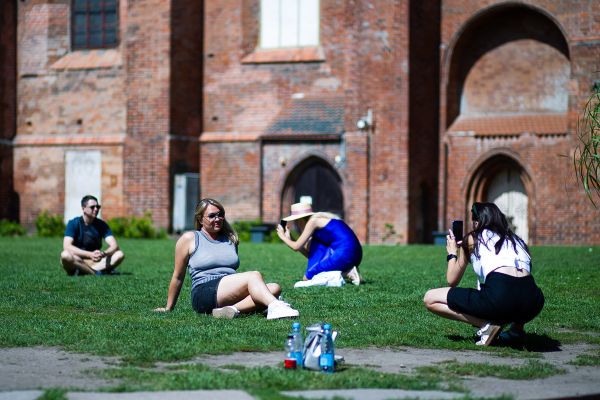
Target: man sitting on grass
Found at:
82, 244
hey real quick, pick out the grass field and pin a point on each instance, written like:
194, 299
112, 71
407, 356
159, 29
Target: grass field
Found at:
112, 315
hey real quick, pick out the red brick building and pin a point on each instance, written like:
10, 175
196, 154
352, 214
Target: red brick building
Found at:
395, 114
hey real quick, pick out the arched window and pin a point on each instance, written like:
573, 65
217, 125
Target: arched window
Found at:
94, 24
509, 73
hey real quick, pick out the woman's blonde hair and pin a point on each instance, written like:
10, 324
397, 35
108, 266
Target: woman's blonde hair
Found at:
199, 214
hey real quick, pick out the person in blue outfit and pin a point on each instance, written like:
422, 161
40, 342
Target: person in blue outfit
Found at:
210, 255
82, 245
326, 240
506, 292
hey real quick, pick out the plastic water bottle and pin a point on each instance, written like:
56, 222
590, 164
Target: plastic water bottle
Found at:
290, 360
298, 343
327, 358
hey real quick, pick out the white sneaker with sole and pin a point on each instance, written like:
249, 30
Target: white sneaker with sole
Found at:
280, 309
487, 334
353, 275
227, 312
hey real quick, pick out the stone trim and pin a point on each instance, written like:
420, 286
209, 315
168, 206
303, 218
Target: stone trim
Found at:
89, 59
298, 54
39, 140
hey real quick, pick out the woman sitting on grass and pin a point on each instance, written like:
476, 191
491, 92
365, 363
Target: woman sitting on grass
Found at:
507, 292
210, 255
326, 240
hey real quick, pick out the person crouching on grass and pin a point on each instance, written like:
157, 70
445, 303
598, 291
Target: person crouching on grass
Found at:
211, 257
325, 240
507, 291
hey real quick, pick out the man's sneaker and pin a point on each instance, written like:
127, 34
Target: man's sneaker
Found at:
487, 334
280, 309
227, 312
353, 275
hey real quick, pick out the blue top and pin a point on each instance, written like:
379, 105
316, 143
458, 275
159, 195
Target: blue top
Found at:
87, 237
334, 247
211, 258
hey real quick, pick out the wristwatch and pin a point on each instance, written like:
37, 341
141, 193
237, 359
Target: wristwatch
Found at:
451, 256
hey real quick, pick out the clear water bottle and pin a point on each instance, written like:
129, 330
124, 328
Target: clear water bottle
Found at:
327, 358
290, 360
298, 343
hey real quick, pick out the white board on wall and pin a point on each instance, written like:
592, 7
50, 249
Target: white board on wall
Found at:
83, 172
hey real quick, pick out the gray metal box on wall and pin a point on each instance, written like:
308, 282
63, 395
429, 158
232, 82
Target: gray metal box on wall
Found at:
186, 188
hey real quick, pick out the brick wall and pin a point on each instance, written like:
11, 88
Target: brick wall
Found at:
364, 64
9, 205
147, 145
423, 119
542, 67
230, 174
67, 100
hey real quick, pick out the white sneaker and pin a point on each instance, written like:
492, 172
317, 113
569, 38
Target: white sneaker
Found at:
487, 334
227, 312
280, 309
353, 275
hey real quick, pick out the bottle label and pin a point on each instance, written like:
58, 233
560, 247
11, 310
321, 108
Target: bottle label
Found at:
326, 362
298, 356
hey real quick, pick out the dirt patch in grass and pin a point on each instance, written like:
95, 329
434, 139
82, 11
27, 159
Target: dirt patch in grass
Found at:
43, 368
25, 368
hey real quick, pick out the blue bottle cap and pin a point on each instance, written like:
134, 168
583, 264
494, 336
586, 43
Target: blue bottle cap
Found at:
327, 327
296, 325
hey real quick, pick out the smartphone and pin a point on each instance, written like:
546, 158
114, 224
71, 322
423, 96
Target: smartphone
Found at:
457, 230
282, 223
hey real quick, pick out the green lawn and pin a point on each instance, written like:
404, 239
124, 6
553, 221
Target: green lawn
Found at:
113, 315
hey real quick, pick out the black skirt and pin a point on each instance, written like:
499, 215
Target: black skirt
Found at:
502, 299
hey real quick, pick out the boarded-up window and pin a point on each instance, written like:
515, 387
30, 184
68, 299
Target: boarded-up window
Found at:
289, 23
83, 171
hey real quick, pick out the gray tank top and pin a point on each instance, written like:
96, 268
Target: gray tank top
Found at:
212, 259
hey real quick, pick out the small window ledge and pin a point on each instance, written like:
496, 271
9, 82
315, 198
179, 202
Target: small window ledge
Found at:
288, 55
89, 59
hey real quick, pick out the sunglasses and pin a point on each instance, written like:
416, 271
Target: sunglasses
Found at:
214, 215
97, 207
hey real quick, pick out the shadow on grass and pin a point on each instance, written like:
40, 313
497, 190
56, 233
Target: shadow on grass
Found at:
532, 343
541, 343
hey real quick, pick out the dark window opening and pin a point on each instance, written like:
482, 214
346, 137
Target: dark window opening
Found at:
94, 24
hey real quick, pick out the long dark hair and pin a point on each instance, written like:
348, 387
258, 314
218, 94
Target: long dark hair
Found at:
489, 216
199, 214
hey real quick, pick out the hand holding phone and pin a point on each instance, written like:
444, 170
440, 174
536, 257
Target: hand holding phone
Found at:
457, 230
283, 223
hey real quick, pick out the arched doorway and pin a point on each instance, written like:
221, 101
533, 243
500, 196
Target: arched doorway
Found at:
314, 179
507, 191
503, 181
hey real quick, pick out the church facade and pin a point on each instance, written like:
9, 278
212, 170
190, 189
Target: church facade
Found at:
395, 115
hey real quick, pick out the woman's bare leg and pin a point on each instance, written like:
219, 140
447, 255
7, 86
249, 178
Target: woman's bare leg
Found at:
246, 291
248, 305
436, 301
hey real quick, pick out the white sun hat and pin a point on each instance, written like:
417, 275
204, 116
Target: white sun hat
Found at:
299, 210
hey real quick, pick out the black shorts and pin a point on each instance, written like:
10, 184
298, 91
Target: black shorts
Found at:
204, 296
502, 299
